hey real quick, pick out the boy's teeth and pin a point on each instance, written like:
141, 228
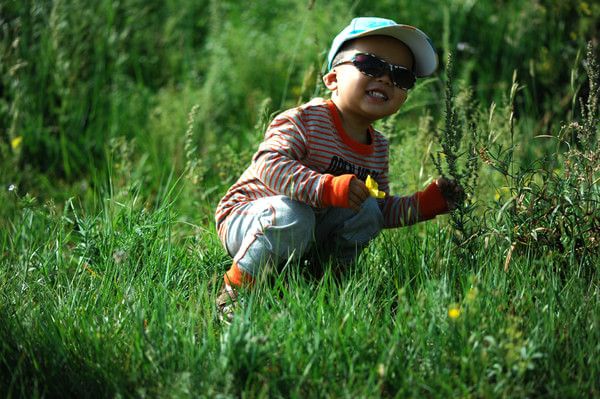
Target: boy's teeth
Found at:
377, 94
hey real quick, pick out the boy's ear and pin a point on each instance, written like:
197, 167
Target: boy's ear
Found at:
330, 80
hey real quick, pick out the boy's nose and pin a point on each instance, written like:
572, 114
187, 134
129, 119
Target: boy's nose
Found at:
385, 78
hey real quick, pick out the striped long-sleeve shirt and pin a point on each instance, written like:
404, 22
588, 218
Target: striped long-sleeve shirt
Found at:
301, 147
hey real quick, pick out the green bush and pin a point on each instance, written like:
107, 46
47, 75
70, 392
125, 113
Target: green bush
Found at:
558, 210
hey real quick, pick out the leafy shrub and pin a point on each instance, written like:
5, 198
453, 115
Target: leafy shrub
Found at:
558, 210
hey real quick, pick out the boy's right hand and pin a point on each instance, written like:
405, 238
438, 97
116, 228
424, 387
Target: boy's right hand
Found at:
344, 191
357, 194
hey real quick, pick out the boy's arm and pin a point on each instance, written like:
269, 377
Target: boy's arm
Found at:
423, 205
278, 165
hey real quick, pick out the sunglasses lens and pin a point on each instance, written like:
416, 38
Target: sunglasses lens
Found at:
373, 66
369, 65
403, 78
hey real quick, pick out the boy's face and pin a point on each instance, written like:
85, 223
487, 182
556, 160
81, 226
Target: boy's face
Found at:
364, 98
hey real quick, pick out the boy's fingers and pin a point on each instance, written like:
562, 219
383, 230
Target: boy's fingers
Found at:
452, 192
353, 205
364, 188
359, 186
356, 198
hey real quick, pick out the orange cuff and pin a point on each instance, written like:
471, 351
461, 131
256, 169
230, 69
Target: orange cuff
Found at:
431, 202
236, 277
336, 190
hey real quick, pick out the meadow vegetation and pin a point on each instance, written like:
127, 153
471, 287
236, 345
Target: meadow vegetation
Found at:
123, 123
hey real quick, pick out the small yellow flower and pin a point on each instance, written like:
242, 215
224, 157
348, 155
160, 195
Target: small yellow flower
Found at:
381, 370
374, 188
501, 192
472, 294
16, 142
585, 8
454, 312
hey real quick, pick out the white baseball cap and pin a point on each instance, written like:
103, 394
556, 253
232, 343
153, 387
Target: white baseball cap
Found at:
426, 59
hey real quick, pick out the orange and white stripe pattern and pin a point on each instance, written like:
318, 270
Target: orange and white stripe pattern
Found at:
301, 146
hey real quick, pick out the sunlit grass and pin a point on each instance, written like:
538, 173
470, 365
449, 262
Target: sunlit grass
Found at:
109, 303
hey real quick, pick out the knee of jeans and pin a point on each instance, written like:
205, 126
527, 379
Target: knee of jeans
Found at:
294, 222
371, 209
370, 218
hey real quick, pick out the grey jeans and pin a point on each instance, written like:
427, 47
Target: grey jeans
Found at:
275, 229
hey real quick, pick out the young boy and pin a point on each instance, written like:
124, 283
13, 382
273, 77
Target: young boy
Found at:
305, 187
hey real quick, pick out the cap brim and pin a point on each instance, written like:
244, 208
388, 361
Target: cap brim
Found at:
426, 59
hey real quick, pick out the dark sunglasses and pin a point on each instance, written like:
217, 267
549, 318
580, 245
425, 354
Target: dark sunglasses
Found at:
375, 67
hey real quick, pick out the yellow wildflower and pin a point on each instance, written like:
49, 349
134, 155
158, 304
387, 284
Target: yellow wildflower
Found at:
454, 312
374, 188
381, 370
16, 142
501, 192
585, 8
471, 294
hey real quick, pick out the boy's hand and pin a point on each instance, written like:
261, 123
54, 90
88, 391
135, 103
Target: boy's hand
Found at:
452, 191
357, 194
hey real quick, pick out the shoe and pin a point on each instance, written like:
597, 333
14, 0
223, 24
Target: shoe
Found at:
227, 303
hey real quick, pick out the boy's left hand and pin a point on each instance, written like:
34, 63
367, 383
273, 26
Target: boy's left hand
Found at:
357, 194
452, 191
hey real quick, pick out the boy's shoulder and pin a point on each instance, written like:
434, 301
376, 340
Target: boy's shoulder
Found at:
313, 108
317, 102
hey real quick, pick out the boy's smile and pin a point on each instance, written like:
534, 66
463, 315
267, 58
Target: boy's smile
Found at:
363, 99
377, 95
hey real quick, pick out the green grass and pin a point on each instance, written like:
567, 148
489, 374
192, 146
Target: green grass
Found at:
122, 125
110, 304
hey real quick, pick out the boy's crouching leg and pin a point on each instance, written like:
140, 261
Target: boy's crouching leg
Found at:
366, 225
352, 231
269, 231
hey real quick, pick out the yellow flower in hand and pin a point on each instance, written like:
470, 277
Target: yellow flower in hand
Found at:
374, 188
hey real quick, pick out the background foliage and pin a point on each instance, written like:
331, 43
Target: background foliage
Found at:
122, 123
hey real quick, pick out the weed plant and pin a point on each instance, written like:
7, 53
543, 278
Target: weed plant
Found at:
458, 141
552, 209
